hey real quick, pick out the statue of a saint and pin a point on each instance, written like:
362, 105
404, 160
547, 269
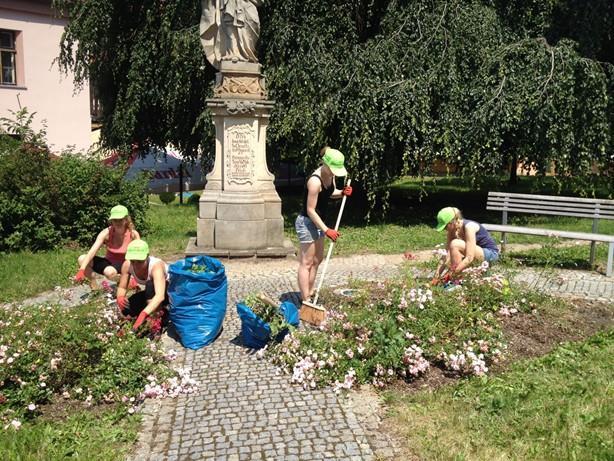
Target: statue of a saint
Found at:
229, 30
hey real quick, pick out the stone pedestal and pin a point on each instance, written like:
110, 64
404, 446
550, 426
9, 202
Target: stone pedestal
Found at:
240, 211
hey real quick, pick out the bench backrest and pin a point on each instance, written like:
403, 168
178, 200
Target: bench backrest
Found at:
550, 205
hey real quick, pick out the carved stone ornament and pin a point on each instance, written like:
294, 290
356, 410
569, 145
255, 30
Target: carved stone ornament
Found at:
240, 86
240, 107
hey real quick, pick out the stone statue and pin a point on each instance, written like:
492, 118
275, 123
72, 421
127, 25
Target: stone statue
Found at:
229, 30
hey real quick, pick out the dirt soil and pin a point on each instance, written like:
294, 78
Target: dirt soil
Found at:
527, 336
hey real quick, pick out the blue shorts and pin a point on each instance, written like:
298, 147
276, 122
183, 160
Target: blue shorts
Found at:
490, 255
306, 230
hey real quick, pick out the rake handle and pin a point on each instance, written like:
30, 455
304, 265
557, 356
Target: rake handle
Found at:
330, 247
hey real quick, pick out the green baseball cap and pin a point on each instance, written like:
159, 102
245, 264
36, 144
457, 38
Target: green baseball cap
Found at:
444, 216
334, 159
137, 250
118, 212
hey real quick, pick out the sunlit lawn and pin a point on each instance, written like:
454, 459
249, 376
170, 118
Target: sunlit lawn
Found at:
560, 406
408, 226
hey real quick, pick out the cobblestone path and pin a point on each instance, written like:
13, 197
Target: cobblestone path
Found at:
245, 411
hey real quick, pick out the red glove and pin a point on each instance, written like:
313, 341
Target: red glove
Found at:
332, 234
122, 302
435, 281
347, 191
139, 320
80, 277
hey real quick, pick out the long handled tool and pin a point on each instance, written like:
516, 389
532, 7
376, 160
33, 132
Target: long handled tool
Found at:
310, 312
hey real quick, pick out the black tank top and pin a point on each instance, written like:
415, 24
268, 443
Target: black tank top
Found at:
323, 196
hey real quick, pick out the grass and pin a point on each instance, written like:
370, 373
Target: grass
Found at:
25, 274
409, 226
560, 406
82, 436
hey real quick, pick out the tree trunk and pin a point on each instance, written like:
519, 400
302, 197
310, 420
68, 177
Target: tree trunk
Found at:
513, 170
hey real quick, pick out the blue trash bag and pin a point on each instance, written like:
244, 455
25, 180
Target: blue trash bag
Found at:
197, 300
255, 332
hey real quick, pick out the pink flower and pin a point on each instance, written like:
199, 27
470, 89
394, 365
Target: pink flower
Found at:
350, 353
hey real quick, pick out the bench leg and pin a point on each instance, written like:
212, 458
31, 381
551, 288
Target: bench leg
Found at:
608, 270
592, 260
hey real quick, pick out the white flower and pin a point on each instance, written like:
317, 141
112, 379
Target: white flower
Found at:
31, 407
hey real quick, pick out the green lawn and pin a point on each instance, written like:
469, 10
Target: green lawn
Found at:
82, 436
408, 226
558, 407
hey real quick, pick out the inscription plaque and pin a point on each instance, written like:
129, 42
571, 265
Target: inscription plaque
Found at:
240, 154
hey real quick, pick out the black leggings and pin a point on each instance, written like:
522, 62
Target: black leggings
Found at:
138, 301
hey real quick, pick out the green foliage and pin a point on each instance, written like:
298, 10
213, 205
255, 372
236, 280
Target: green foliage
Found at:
455, 81
556, 407
146, 60
269, 314
82, 354
483, 85
45, 201
167, 197
398, 329
193, 199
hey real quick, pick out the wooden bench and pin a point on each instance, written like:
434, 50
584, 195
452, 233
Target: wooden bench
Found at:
596, 209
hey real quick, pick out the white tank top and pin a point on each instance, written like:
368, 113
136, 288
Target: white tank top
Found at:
151, 262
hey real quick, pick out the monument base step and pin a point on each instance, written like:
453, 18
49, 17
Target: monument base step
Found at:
285, 251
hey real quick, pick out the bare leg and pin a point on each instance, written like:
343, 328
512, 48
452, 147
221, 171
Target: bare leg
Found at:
317, 259
458, 250
111, 273
306, 262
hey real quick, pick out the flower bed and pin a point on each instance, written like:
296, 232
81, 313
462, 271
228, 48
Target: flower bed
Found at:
399, 329
49, 353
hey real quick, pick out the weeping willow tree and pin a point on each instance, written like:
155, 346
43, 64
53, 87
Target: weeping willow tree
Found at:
396, 85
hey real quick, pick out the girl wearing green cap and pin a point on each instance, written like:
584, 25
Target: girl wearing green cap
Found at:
116, 237
310, 225
146, 270
466, 241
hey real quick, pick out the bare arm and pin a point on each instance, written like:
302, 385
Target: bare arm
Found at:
102, 237
135, 235
159, 282
122, 286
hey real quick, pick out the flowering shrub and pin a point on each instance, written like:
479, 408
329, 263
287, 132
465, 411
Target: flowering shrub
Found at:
86, 353
399, 329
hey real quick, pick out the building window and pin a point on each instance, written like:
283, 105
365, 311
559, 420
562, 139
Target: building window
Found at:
8, 76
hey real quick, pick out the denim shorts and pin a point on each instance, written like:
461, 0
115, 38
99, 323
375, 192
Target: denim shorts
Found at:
490, 255
306, 230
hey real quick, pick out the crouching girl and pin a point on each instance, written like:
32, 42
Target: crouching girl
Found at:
146, 270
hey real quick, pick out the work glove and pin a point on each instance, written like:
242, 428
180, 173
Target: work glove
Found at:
139, 320
122, 303
80, 277
332, 234
133, 284
347, 191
